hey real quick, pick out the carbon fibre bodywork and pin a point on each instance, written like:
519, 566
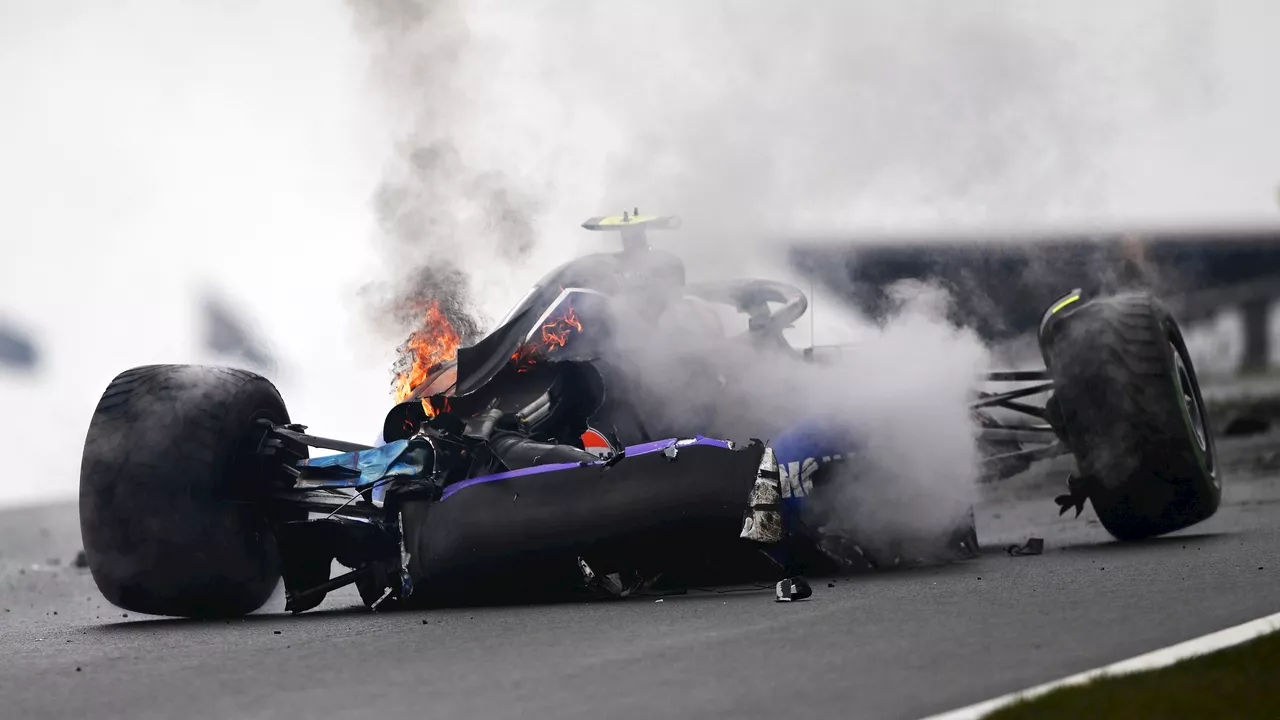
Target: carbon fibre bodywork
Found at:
671, 508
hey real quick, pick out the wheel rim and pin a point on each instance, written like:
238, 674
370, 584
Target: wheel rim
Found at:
1194, 409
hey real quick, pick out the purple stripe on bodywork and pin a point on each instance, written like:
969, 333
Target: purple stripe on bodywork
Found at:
509, 474
664, 444
633, 450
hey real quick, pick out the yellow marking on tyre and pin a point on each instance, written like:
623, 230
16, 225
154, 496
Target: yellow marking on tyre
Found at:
1063, 303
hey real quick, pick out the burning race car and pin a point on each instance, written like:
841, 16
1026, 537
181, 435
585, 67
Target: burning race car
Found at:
529, 464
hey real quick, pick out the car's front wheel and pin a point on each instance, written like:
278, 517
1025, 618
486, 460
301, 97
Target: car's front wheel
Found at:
167, 483
1131, 411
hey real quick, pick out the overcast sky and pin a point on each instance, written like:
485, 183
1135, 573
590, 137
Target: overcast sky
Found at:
150, 147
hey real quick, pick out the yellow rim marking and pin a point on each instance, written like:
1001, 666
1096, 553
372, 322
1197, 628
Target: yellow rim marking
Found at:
1063, 303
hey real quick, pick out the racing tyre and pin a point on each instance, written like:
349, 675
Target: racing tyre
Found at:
167, 483
1128, 405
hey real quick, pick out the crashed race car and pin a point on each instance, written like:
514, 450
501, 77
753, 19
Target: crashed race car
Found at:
527, 465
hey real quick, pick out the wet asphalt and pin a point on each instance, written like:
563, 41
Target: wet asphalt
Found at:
902, 644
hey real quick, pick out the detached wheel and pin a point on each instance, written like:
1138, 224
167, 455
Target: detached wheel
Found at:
1129, 407
167, 488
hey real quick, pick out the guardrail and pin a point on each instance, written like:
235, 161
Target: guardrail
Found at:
1255, 300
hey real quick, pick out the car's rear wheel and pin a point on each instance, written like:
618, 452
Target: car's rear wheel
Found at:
168, 484
1131, 411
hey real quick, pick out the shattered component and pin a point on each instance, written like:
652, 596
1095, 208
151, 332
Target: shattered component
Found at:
376, 603
1078, 490
612, 584
791, 589
588, 575
1033, 546
311, 597
847, 554
406, 580
763, 521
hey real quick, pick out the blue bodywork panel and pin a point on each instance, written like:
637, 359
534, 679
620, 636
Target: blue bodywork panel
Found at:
402, 458
802, 451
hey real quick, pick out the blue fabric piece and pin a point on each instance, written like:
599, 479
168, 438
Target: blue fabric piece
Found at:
391, 459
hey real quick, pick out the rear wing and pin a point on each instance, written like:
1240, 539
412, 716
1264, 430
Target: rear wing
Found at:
633, 226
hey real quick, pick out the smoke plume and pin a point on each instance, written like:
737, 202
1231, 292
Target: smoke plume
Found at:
261, 145
755, 121
438, 210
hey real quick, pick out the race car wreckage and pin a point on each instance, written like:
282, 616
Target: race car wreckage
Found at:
522, 465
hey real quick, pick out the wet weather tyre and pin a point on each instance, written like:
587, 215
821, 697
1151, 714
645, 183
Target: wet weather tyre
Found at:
167, 483
1129, 408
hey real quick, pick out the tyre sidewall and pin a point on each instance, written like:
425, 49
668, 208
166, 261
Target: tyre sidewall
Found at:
1151, 476
167, 490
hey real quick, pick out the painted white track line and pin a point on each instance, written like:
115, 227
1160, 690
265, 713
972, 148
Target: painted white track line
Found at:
1156, 659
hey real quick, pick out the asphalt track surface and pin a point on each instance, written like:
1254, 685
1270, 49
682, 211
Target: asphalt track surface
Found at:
896, 645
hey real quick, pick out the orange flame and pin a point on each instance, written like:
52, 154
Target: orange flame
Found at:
555, 334
429, 347
429, 406
523, 357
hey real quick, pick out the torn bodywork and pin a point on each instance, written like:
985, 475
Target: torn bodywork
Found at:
414, 526
763, 522
510, 502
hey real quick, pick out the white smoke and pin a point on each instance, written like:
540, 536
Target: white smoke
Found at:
756, 121
897, 399
151, 147
153, 144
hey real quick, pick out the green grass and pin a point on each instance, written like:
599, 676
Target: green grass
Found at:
1238, 682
